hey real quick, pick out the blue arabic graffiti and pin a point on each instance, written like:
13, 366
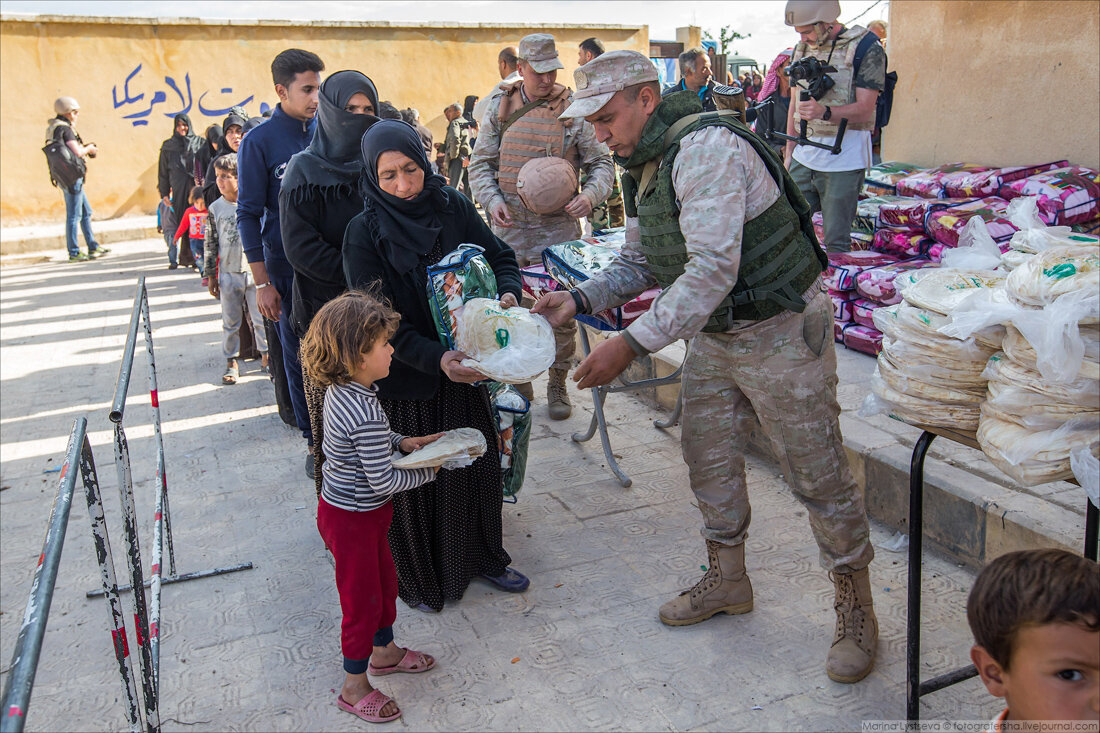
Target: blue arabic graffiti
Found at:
186, 101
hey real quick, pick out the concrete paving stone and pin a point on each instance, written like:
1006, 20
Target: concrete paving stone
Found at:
259, 650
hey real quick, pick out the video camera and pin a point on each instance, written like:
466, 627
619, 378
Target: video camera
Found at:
814, 73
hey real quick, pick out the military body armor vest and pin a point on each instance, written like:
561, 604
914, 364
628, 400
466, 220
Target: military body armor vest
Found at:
537, 134
780, 257
842, 57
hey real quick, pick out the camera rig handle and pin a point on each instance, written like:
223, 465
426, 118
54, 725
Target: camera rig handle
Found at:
803, 138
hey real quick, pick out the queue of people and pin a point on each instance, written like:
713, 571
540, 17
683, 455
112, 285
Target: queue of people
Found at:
338, 211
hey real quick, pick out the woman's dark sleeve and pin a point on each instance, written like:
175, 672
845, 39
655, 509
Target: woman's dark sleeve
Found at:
305, 247
364, 270
164, 184
500, 256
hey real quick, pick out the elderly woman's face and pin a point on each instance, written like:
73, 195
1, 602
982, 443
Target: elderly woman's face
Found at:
399, 175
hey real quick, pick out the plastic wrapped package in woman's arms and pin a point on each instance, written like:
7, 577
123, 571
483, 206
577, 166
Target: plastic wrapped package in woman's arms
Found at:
880, 283
931, 183
512, 413
986, 183
458, 277
1054, 273
946, 225
1037, 457
509, 345
1067, 195
882, 179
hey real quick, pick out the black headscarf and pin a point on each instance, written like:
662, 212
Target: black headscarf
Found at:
189, 143
252, 123
406, 230
331, 165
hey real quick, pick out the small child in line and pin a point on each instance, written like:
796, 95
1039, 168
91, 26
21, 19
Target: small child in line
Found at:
346, 350
229, 277
1035, 616
193, 223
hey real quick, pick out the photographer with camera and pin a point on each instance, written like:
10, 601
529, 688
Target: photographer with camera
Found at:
65, 152
838, 73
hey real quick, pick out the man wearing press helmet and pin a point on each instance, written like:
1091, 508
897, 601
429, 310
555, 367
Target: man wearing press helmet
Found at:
522, 125
830, 182
714, 219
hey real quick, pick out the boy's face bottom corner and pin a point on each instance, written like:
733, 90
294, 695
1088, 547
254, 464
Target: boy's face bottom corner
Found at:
1054, 675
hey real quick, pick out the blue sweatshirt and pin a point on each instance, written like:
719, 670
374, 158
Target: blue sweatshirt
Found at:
261, 161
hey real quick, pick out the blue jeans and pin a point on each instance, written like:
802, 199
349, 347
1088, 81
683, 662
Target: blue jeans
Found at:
77, 209
197, 246
293, 367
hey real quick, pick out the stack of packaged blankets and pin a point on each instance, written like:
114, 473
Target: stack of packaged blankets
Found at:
912, 217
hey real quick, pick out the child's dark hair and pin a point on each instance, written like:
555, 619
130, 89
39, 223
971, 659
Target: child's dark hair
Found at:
1031, 588
342, 331
227, 162
292, 62
196, 195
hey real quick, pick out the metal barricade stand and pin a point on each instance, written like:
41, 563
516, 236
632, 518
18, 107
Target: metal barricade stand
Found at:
599, 395
915, 688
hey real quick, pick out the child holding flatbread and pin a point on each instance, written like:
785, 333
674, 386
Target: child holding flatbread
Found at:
347, 350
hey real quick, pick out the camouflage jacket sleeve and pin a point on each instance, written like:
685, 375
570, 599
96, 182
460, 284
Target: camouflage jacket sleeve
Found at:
720, 183
450, 142
596, 163
485, 161
624, 279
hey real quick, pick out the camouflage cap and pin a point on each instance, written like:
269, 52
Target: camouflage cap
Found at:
538, 50
599, 80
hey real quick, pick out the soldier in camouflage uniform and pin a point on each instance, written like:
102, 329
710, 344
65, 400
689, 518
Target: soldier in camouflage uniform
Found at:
714, 219
521, 124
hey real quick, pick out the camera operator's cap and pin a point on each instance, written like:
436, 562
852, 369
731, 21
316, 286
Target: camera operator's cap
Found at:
808, 12
600, 79
538, 50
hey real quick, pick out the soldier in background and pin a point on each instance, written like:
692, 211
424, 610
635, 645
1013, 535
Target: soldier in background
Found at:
714, 219
520, 125
609, 214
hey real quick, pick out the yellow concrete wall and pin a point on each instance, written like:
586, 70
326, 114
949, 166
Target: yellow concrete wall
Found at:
42, 58
994, 82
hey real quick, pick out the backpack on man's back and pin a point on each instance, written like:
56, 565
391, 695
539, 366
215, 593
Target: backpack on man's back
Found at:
66, 167
885, 102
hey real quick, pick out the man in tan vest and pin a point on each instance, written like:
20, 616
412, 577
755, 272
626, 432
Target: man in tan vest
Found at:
522, 124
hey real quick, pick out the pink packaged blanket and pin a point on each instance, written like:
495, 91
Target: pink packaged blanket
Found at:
902, 244
881, 180
838, 332
861, 241
946, 225
986, 183
842, 305
536, 282
862, 311
930, 183
819, 226
844, 266
908, 214
867, 212
877, 283
1068, 195
863, 338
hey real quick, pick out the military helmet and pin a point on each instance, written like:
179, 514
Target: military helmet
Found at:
808, 12
546, 185
64, 105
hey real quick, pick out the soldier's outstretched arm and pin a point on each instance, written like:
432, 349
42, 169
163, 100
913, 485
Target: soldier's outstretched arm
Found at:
625, 278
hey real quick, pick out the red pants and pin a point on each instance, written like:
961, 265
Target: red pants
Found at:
365, 575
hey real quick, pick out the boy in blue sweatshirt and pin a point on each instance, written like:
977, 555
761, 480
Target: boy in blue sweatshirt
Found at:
261, 160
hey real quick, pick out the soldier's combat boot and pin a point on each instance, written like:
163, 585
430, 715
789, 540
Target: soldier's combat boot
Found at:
527, 390
724, 588
852, 654
556, 395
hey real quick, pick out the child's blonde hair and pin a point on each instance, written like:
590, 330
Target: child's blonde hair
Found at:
342, 331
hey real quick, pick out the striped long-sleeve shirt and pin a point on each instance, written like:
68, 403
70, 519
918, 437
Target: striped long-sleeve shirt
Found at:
357, 474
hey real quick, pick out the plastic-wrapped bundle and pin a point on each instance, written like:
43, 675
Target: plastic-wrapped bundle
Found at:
842, 305
863, 312
986, 183
838, 331
940, 290
1034, 457
867, 211
843, 267
512, 413
902, 244
507, 345
909, 214
1058, 271
818, 220
946, 225
865, 339
573, 262
930, 183
1066, 195
537, 282
878, 283
459, 277
1020, 350
861, 241
882, 179
1035, 236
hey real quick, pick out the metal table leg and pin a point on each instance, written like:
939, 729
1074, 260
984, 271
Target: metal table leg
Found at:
1092, 524
912, 617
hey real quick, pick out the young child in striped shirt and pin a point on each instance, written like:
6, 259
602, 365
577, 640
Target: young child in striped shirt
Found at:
347, 350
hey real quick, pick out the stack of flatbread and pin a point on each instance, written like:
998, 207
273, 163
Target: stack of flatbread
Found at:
458, 445
928, 378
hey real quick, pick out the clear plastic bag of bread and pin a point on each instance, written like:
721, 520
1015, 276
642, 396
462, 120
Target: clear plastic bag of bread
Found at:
510, 345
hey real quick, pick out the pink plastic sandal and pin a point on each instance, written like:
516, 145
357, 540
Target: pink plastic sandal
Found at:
369, 707
413, 662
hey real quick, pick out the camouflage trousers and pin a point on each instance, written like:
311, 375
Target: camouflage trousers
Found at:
565, 335
782, 371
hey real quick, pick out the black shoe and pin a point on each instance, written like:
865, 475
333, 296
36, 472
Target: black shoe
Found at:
173, 267
309, 465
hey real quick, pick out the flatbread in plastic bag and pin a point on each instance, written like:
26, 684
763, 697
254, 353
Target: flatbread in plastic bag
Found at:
941, 289
1042, 279
510, 345
458, 277
458, 445
512, 413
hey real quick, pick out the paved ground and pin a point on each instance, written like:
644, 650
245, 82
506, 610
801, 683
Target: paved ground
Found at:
259, 650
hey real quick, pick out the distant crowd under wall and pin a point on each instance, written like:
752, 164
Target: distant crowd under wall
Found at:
131, 76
